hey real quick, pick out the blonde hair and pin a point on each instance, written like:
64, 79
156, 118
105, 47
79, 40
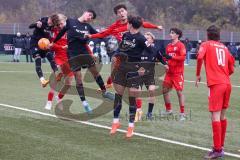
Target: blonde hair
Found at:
62, 17
56, 18
150, 34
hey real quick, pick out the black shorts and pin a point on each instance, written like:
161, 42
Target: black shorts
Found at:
148, 80
149, 77
121, 76
81, 61
36, 52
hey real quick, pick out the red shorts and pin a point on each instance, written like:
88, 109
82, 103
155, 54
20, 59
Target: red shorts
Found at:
174, 80
218, 97
65, 68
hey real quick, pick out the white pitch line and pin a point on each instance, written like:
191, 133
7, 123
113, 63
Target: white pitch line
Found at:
120, 130
21, 72
30, 72
235, 86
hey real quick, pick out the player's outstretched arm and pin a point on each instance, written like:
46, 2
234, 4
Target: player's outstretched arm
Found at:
108, 31
150, 25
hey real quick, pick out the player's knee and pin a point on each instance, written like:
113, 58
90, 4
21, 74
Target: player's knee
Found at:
68, 81
222, 116
216, 116
180, 94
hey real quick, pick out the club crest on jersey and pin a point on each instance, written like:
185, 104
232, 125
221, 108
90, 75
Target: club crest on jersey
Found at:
175, 48
86, 27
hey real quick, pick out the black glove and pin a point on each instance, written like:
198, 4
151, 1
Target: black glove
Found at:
167, 56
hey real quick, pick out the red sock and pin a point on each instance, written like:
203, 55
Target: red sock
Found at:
181, 109
60, 95
109, 81
139, 103
216, 128
50, 96
224, 128
168, 106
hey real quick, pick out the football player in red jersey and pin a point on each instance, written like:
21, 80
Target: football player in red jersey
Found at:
175, 55
219, 65
61, 59
120, 25
117, 29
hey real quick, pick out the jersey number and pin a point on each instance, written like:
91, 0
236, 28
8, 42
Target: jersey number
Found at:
220, 56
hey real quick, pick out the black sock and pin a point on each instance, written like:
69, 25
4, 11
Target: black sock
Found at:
132, 109
150, 107
38, 67
51, 61
117, 105
80, 91
100, 83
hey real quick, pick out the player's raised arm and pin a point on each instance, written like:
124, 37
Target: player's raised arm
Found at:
150, 25
108, 31
33, 25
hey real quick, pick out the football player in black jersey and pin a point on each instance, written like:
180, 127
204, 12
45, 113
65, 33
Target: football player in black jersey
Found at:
79, 53
42, 29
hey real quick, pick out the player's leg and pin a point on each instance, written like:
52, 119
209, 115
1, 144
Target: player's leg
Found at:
133, 92
109, 82
216, 132
68, 74
99, 81
149, 81
48, 105
38, 68
80, 90
216, 100
15, 55
178, 83
151, 100
19, 54
224, 123
50, 58
181, 102
139, 111
117, 107
166, 86
119, 84
223, 112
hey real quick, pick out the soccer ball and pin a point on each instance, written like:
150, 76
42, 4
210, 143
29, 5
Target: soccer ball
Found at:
43, 43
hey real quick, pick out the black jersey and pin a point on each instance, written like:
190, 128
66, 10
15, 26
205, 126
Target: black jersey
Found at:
77, 43
133, 45
38, 33
153, 55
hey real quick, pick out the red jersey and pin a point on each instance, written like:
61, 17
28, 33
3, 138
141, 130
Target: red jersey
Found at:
218, 61
118, 28
60, 52
178, 53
